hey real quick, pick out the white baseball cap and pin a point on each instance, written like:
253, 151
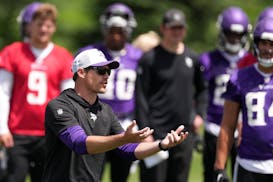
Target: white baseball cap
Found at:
92, 57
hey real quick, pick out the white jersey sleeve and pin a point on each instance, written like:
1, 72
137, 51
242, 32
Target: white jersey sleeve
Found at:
6, 84
68, 83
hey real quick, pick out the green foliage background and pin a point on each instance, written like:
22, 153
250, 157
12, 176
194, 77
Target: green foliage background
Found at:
78, 23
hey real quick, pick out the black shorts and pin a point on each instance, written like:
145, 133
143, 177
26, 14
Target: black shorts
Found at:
243, 175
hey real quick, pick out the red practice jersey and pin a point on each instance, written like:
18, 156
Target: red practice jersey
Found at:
34, 85
247, 60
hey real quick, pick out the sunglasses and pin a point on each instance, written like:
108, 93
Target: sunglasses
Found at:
177, 27
99, 69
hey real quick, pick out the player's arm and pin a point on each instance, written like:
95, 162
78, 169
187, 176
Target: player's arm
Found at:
226, 136
64, 125
76, 139
129, 143
6, 84
99, 144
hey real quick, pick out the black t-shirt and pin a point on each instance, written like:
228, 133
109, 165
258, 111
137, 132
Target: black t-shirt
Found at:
169, 89
69, 109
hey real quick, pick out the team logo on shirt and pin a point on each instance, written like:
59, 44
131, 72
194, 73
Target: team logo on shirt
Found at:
189, 62
60, 111
93, 116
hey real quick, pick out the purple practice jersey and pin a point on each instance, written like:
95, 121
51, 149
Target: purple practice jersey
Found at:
217, 70
253, 90
120, 90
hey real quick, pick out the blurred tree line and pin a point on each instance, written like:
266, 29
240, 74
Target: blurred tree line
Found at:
78, 20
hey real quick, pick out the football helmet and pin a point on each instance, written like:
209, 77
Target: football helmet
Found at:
25, 17
267, 12
263, 31
118, 15
233, 20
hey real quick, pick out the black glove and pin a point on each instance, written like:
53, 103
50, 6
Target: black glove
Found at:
220, 175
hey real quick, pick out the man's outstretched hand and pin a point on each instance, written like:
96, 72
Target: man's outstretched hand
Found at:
137, 136
174, 138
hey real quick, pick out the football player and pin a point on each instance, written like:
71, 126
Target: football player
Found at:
117, 24
250, 90
251, 58
23, 19
218, 64
31, 73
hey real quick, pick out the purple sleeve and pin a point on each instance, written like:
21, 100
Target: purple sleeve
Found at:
75, 138
128, 151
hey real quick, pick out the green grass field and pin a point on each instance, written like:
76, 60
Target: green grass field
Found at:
195, 173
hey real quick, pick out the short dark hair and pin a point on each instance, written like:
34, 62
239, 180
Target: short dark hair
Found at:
75, 76
46, 11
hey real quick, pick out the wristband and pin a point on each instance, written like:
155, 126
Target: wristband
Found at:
160, 146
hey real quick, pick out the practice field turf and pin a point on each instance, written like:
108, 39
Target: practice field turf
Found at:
195, 174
